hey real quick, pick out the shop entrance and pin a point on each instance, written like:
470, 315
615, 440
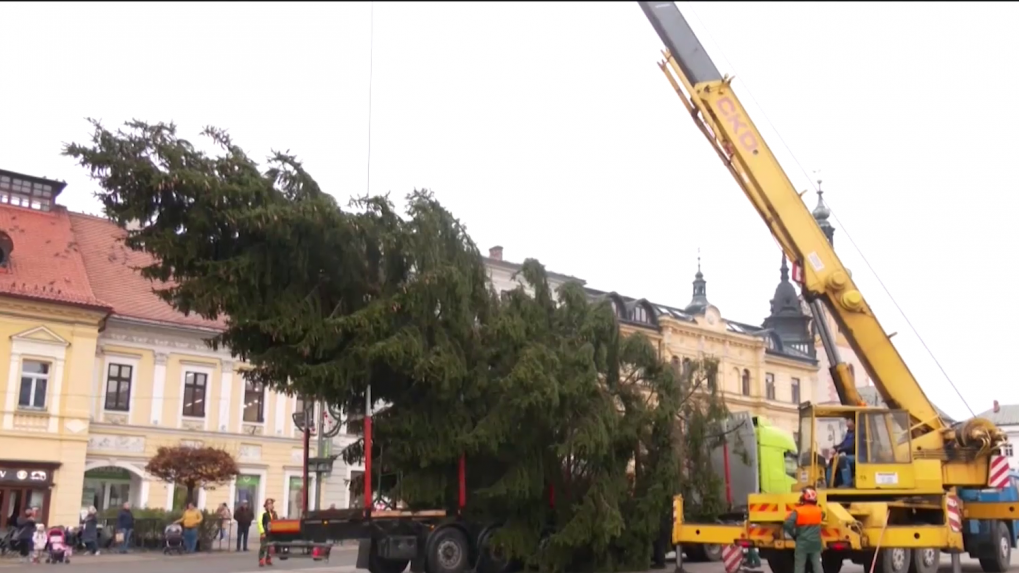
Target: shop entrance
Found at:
25, 485
14, 501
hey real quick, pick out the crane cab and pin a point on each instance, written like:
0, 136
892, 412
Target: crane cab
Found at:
878, 456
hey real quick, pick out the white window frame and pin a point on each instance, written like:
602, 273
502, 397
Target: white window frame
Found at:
39, 343
51, 367
123, 360
208, 371
265, 407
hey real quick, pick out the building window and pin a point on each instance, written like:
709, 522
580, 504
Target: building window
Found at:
35, 377
769, 386
24, 193
118, 387
254, 402
796, 391
746, 382
194, 394
639, 314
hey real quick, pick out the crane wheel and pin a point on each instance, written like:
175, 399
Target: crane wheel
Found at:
894, 560
704, 553
925, 561
1001, 560
831, 561
780, 560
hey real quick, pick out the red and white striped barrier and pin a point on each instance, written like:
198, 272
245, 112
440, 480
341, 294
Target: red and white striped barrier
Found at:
997, 473
732, 558
954, 513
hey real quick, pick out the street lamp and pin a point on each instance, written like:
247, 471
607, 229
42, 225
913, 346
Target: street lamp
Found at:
328, 426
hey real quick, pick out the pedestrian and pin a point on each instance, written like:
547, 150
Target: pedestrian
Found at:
90, 531
225, 517
265, 518
190, 521
38, 542
804, 525
244, 516
125, 526
26, 529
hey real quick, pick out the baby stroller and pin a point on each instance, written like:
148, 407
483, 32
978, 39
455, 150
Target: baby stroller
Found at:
56, 544
173, 535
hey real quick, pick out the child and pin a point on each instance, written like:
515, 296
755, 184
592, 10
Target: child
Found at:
39, 541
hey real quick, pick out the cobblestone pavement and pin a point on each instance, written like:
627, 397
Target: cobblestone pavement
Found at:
969, 565
342, 561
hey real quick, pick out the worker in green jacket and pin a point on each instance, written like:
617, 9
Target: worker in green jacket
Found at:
804, 526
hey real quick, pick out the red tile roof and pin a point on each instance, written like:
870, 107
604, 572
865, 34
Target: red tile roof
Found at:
111, 272
46, 261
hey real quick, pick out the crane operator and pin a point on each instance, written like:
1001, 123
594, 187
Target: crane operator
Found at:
847, 459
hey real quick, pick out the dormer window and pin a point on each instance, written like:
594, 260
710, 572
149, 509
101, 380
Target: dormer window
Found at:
28, 192
639, 314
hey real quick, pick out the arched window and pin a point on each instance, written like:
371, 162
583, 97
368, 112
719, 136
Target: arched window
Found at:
745, 382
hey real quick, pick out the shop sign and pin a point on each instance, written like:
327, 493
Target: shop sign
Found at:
24, 475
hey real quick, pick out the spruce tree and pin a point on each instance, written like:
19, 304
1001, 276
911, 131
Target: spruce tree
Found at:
538, 389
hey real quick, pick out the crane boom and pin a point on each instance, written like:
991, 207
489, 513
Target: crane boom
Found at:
825, 281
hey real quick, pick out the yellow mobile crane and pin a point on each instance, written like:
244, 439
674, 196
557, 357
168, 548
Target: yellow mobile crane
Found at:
912, 470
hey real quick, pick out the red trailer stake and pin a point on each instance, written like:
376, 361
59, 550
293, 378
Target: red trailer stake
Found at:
462, 479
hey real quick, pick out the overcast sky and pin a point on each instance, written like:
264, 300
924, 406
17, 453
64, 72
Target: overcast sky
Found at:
548, 129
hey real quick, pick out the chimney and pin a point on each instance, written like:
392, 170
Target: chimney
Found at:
997, 407
495, 253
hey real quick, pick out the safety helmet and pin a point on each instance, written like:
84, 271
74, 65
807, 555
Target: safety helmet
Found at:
809, 494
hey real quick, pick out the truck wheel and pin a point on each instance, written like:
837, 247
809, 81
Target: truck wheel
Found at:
895, 560
925, 561
1002, 558
491, 558
831, 561
449, 552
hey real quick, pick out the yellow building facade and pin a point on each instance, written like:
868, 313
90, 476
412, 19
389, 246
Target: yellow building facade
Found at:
767, 370
101, 373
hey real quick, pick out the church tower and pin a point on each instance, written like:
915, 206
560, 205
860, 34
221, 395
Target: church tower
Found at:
788, 318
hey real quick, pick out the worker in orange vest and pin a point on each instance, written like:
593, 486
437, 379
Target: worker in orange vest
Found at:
804, 526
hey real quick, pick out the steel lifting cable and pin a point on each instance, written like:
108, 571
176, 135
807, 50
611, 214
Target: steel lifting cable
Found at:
842, 226
371, 74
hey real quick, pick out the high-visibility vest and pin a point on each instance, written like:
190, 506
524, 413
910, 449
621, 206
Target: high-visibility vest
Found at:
261, 514
808, 514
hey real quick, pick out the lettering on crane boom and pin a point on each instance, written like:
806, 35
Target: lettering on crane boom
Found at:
740, 126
